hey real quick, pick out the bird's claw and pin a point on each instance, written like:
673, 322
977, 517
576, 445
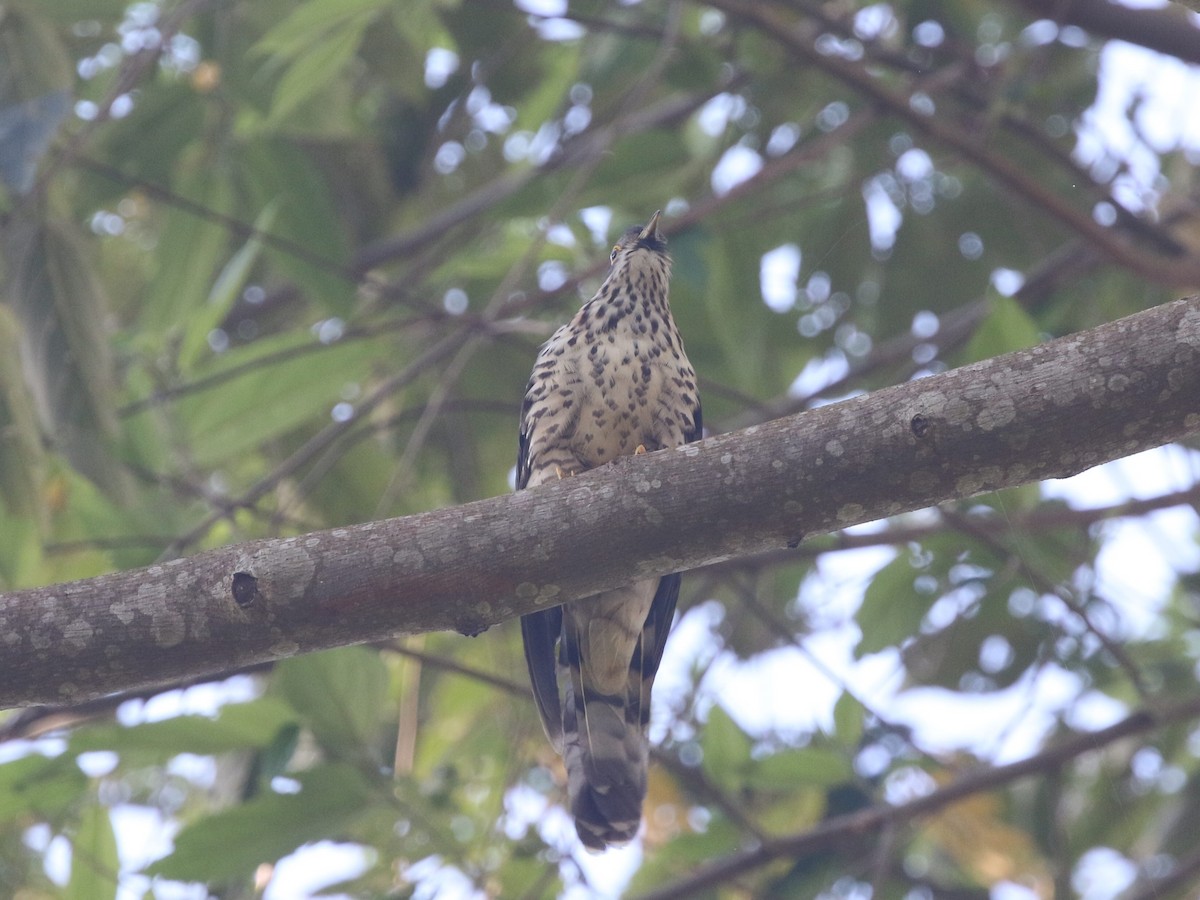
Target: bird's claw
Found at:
641, 449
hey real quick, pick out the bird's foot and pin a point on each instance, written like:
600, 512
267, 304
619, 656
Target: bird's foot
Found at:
641, 448
561, 473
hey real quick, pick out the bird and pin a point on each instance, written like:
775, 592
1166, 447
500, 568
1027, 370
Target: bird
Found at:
613, 381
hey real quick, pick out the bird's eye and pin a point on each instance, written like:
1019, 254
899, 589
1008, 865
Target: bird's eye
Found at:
613, 256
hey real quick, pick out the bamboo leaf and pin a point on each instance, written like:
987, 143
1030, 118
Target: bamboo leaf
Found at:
313, 21
225, 291
66, 357
190, 251
94, 862
21, 448
311, 72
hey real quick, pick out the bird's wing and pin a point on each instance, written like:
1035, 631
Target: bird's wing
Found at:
541, 631
654, 638
697, 430
524, 464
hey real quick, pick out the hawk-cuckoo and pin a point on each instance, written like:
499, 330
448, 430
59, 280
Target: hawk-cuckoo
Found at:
611, 382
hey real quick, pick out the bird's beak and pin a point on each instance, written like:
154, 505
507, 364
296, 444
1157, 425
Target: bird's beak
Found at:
651, 228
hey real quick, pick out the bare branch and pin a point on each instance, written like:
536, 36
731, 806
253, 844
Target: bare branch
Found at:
1166, 30
1047, 412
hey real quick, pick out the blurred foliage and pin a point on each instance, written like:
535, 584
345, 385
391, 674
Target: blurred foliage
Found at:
277, 265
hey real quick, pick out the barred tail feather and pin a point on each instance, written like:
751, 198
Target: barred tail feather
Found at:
607, 705
603, 652
606, 755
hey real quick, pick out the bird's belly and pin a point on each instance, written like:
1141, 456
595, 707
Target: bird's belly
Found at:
600, 399
616, 421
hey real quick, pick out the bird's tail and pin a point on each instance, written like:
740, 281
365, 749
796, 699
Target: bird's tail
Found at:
606, 755
605, 713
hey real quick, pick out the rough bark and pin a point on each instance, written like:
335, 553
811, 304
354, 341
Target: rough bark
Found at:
1046, 412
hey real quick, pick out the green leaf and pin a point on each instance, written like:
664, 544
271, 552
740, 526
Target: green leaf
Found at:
82, 512
848, 720
1007, 327
238, 726
891, 610
60, 304
281, 174
72, 12
341, 695
726, 749
39, 786
789, 768
24, 469
33, 60
20, 547
274, 759
684, 854
190, 251
232, 843
652, 162
311, 22
152, 143
559, 70
94, 862
311, 72
224, 292
466, 723
266, 401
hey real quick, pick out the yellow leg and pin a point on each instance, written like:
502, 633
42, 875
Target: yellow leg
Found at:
641, 448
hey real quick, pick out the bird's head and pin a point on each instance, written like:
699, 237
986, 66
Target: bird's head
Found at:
639, 238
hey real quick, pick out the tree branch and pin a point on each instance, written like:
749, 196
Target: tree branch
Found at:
1047, 412
1166, 30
